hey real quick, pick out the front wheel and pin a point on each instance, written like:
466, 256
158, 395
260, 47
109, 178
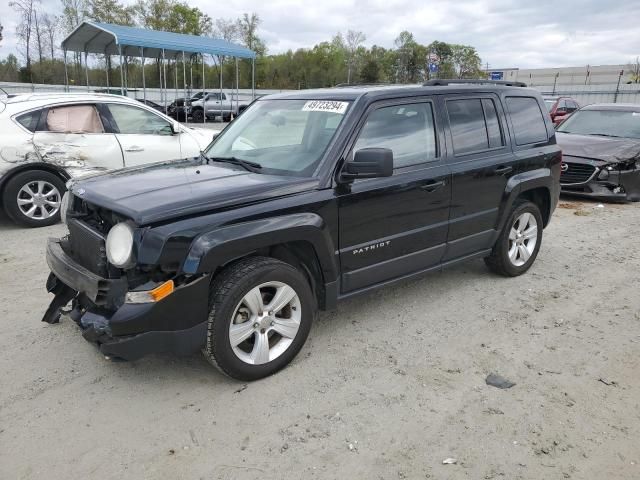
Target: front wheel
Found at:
519, 242
33, 198
261, 310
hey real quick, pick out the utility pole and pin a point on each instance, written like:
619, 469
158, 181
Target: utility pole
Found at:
615, 96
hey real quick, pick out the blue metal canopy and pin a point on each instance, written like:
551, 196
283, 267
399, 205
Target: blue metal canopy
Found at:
108, 39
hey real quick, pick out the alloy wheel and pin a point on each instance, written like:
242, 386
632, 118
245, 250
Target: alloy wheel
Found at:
265, 323
523, 237
39, 200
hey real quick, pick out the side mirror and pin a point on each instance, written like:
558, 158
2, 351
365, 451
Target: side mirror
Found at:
175, 129
369, 163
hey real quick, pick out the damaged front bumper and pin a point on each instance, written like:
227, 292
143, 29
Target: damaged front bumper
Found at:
176, 324
616, 182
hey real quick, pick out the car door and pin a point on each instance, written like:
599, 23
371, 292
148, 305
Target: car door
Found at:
74, 136
482, 163
394, 226
144, 136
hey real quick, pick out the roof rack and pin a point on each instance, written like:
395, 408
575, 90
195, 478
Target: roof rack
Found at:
375, 84
479, 81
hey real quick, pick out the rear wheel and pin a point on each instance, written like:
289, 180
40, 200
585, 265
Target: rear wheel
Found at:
519, 242
33, 198
260, 316
198, 116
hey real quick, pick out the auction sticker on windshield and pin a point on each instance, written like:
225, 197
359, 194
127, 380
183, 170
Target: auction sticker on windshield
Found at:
325, 106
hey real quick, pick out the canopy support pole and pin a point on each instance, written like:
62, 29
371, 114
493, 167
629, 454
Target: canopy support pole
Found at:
126, 71
144, 83
237, 89
175, 96
66, 74
184, 78
86, 69
164, 75
121, 74
204, 99
106, 66
221, 111
253, 79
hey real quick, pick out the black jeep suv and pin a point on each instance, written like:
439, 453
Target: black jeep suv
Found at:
306, 199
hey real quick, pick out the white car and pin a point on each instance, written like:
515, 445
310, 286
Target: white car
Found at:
47, 139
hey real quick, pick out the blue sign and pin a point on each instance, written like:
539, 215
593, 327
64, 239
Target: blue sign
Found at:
433, 67
497, 75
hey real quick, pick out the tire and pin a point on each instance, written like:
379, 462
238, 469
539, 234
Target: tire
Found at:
198, 116
517, 243
233, 301
226, 117
44, 189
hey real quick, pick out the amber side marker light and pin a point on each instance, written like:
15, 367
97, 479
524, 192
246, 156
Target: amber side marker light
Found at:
162, 291
151, 296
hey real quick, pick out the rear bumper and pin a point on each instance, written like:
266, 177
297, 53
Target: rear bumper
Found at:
176, 324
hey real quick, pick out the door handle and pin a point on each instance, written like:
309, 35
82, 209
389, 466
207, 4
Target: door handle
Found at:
134, 148
432, 186
503, 170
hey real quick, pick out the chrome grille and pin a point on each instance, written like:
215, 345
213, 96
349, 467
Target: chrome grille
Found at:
576, 173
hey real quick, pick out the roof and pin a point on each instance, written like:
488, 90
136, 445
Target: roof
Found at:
25, 101
356, 91
621, 107
105, 38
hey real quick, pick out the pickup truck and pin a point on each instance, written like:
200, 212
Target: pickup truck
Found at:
308, 198
216, 104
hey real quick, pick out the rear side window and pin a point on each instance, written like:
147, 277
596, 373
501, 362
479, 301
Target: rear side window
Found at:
408, 130
474, 125
74, 119
29, 120
528, 122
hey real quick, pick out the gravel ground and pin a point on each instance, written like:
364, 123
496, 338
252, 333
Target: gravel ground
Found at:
387, 387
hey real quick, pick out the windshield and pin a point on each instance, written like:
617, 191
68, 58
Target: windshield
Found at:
287, 137
549, 104
609, 123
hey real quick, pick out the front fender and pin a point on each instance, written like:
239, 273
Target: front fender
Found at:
213, 249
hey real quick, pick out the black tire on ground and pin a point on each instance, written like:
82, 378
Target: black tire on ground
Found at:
197, 116
498, 261
12, 189
226, 117
227, 291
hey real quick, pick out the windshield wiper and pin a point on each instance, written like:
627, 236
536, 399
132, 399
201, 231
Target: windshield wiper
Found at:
246, 164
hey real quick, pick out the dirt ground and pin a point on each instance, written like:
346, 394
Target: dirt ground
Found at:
387, 387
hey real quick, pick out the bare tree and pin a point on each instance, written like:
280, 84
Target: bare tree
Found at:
39, 34
24, 29
1, 27
248, 32
50, 24
227, 29
73, 14
353, 41
634, 70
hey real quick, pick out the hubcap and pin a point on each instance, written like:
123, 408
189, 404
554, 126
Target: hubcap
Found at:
39, 200
265, 323
523, 237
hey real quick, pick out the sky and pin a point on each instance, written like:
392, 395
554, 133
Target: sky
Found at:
506, 33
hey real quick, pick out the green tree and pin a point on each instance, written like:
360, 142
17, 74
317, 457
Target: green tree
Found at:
466, 61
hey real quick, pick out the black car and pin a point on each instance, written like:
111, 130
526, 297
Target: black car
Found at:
601, 152
149, 103
307, 198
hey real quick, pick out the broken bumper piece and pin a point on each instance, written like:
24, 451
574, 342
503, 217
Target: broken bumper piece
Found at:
176, 324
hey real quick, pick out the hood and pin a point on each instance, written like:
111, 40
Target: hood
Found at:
607, 149
167, 190
203, 136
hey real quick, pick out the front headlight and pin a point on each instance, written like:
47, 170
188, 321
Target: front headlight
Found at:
64, 206
120, 245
